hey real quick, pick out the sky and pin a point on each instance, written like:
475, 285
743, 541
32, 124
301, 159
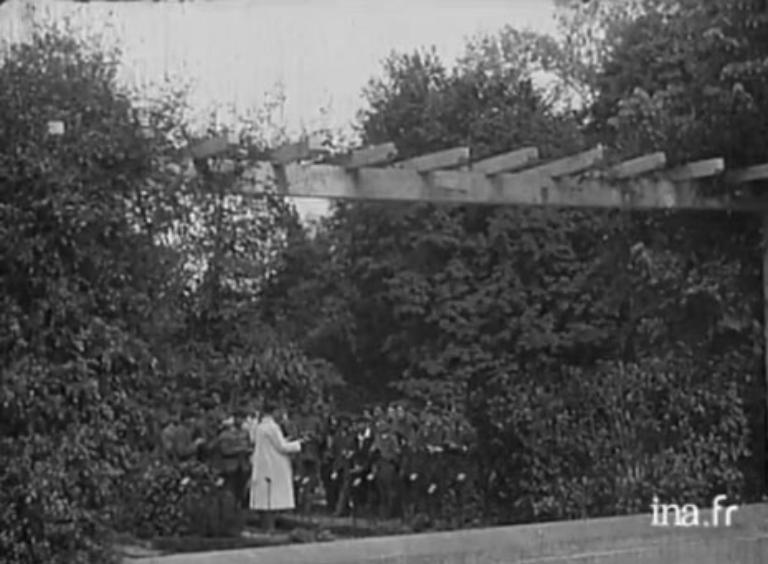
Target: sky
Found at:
319, 53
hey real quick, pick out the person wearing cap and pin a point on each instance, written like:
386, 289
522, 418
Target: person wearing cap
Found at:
271, 471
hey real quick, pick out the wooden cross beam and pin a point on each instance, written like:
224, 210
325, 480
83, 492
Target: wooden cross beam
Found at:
369, 156
638, 166
508, 162
450, 158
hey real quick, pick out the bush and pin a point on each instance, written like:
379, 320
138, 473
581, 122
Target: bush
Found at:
46, 490
214, 515
604, 442
74, 369
164, 498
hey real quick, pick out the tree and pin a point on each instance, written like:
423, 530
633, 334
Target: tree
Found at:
75, 370
104, 327
689, 78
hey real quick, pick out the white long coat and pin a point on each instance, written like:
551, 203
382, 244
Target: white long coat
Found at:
271, 472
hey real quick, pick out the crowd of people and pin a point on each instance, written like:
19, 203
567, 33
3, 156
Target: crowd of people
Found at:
391, 462
388, 461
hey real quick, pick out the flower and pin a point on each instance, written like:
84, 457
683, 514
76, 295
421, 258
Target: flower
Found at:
55, 127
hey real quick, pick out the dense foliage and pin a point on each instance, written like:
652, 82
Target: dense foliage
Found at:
588, 443
74, 369
693, 98
162, 499
124, 297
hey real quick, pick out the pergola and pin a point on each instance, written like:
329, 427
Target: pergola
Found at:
305, 169
515, 178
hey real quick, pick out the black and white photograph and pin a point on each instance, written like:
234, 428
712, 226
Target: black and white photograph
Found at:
383, 281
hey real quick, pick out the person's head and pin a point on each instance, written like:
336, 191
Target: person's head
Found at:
166, 418
274, 409
252, 409
187, 413
228, 423
400, 411
270, 407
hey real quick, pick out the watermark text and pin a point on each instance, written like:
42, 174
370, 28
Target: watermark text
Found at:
689, 515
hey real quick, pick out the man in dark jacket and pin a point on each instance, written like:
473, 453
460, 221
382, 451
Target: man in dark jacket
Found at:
231, 451
177, 438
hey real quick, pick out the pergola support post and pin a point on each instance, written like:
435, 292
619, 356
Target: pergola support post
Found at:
764, 250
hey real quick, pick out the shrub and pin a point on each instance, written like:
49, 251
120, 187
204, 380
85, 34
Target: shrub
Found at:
74, 369
163, 498
214, 515
592, 443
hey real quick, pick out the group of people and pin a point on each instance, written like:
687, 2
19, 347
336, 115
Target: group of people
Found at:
273, 463
254, 458
379, 462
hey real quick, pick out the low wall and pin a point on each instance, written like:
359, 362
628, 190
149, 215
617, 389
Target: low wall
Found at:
616, 540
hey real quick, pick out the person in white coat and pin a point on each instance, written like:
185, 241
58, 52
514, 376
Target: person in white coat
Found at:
271, 472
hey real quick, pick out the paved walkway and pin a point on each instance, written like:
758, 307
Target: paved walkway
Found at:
605, 541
